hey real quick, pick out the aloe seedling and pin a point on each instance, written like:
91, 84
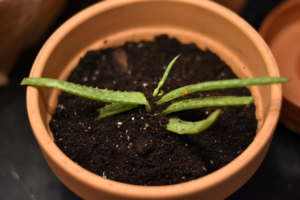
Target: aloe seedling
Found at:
109, 96
124, 101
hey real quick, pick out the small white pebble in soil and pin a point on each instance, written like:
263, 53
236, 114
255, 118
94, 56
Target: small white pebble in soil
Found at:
215, 141
65, 147
132, 118
142, 117
121, 136
206, 112
221, 151
114, 82
212, 162
145, 145
170, 159
118, 126
183, 177
145, 128
117, 145
89, 127
60, 106
139, 45
84, 79
126, 131
204, 168
145, 84
128, 138
146, 125
120, 123
104, 175
186, 145
59, 139
96, 72
238, 152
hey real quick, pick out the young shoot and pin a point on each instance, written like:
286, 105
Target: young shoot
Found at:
181, 127
162, 81
222, 84
109, 96
202, 102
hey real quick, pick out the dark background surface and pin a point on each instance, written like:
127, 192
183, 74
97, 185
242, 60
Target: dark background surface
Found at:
24, 173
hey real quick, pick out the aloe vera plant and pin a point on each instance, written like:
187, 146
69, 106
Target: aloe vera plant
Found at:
124, 101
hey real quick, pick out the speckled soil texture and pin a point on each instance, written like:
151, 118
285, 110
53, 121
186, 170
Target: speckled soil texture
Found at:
134, 147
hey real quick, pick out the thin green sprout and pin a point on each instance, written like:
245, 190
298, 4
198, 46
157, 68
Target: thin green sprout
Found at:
162, 81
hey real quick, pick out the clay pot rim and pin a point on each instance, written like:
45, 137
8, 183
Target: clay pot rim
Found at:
154, 192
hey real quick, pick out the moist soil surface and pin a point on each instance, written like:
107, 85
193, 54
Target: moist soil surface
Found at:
134, 147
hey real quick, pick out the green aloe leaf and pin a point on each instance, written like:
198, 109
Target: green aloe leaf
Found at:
109, 96
201, 102
222, 84
183, 127
113, 109
162, 81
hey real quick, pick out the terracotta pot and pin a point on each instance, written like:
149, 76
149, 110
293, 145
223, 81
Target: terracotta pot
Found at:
111, 23
281, 31
23, 23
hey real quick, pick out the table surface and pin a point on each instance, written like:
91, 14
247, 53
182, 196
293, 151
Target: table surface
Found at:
24, 173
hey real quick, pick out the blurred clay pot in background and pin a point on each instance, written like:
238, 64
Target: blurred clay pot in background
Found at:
112, 23
281, 31
22, 24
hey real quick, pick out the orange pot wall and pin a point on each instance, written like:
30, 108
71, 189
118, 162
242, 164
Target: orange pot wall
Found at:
204, 23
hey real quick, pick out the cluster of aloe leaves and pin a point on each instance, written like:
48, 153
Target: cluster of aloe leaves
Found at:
124, 101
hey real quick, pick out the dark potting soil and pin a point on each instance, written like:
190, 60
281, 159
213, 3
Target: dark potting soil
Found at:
134, 147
